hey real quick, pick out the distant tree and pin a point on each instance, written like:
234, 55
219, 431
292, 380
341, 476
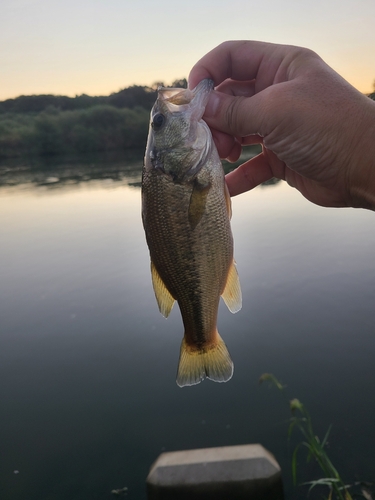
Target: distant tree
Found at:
51, 124
372, 95
85, 101
47, 134
132, 97
182, 83
126, 98
39, 103
98, 128
156, 85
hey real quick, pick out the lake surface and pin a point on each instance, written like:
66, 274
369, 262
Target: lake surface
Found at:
88, 398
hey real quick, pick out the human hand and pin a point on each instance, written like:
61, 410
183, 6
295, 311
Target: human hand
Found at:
317, 131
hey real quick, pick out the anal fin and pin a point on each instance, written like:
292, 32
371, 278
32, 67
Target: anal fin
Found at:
163, 297
232, 294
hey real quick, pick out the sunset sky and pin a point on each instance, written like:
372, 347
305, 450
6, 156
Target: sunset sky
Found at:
97, 47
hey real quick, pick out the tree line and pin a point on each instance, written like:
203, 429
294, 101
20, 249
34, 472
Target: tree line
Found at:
53, 124
130, 97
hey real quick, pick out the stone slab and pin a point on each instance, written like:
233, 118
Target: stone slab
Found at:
230, 472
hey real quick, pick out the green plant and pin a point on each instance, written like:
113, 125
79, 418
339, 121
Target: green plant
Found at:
315, 447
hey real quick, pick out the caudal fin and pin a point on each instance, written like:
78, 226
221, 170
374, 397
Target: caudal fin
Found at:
213, 362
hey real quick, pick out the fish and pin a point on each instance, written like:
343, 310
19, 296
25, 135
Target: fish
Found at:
186, 212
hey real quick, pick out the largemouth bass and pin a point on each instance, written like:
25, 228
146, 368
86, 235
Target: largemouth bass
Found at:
186, 210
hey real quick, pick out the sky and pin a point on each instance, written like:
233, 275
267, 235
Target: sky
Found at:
96, 47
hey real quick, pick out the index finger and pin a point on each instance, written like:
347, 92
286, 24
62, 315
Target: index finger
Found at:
266, 63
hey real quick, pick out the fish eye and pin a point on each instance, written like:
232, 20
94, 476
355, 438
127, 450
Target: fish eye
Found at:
158, 121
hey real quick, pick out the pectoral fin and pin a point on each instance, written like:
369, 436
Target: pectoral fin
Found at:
232, 293
198, 203
163, 297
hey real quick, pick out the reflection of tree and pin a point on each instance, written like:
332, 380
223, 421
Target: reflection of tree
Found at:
248, 152
56, 172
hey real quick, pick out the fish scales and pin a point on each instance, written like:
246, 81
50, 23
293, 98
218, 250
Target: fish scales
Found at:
185, 211
203, 254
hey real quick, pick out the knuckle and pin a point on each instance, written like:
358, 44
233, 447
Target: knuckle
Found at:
233, 115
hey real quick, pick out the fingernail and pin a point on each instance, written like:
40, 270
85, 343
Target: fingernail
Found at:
213, 104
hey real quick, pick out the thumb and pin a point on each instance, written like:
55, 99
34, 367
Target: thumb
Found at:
238, 116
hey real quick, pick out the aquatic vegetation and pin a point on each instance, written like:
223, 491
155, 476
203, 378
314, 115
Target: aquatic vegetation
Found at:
316, 450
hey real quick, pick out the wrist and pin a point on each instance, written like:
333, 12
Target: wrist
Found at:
361, 179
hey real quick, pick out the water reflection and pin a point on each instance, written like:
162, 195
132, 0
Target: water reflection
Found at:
57, 172
87, 363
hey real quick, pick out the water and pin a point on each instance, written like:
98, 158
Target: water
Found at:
88, 398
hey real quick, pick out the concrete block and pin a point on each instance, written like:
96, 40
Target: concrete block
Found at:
225, 473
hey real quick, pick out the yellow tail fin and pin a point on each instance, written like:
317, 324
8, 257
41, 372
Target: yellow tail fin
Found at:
213, 362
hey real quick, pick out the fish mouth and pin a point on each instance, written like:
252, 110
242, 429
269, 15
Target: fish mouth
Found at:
176, 98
